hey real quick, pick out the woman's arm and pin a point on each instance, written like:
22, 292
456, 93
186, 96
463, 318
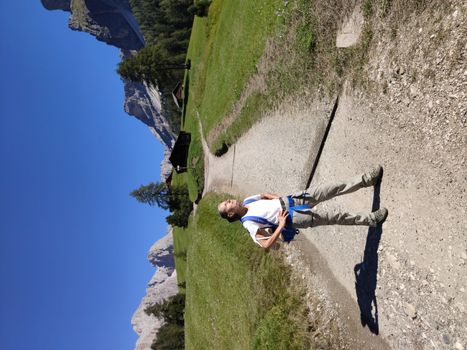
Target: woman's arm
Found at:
282, 220
267, 195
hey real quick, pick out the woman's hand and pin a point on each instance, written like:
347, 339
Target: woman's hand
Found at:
283, 215
282, 222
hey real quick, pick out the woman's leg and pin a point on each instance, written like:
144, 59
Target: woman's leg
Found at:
326, 217
320, 193
319, 216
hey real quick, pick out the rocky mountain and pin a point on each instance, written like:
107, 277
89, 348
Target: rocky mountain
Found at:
112, 22
162, 285
143, 101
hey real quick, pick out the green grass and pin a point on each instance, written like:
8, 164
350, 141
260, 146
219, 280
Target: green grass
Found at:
194, 178
195, 174
225, 48
182, 239
239, 296
238, 33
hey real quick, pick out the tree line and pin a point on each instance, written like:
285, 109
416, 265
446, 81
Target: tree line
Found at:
171, 335
166, 26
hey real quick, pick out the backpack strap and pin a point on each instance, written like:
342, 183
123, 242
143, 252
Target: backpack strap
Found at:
258, 220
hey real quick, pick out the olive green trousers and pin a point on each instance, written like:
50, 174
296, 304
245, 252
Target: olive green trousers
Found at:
317, 216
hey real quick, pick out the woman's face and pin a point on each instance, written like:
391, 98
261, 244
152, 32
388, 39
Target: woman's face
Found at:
229, 206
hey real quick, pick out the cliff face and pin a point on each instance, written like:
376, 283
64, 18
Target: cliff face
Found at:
143, 101
112, 22
162, 285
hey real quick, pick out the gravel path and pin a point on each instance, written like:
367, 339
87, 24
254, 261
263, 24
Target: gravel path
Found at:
281, 146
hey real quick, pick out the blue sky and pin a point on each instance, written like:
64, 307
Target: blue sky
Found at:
73, 243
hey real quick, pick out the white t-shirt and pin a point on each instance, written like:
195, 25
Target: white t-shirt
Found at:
268, 209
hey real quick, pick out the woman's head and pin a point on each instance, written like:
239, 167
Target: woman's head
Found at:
230, 210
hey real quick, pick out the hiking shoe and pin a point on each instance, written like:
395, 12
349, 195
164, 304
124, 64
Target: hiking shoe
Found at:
373, 176
378, 217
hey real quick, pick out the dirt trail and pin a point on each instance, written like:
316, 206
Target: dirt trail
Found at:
281, 146
407, 281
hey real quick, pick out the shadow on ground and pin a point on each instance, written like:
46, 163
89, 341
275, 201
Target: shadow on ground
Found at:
365, 273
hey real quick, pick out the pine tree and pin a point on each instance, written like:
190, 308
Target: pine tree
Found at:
169, 337
174, 198
171, 309
154, 193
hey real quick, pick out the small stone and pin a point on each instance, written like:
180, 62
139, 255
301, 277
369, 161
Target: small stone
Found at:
393, 261
458, 346
410, 311
464, 255
420, 30
460, 307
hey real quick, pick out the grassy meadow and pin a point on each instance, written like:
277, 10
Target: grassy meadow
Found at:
225, 48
